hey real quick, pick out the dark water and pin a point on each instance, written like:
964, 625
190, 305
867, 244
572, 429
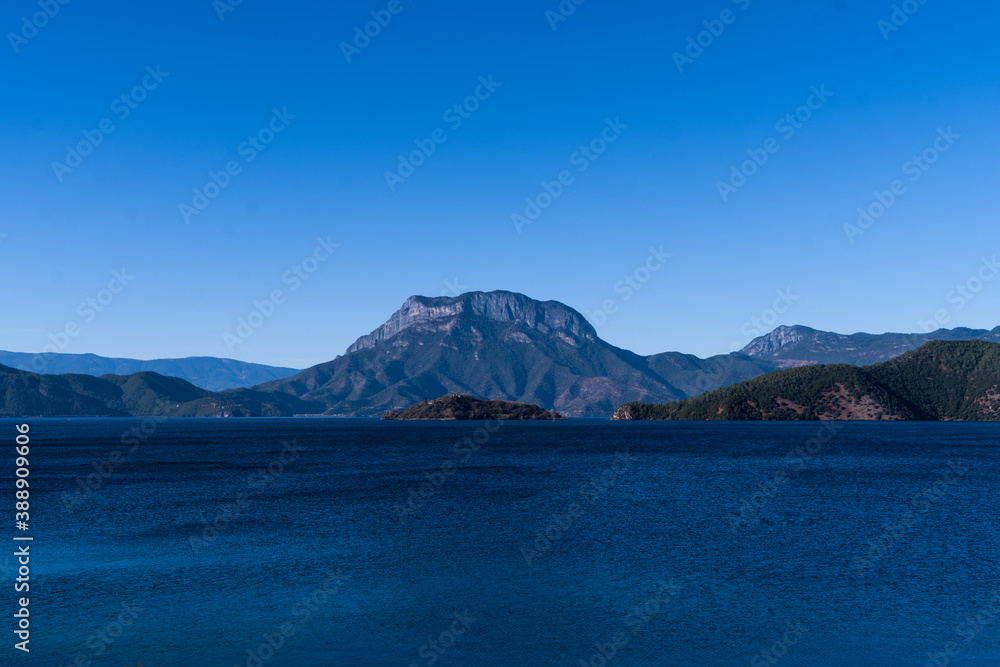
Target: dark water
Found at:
873, 550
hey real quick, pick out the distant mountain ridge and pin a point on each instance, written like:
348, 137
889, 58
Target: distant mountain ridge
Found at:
939, 381
800, 346
143, 394
209, 373
497, 345
506, 346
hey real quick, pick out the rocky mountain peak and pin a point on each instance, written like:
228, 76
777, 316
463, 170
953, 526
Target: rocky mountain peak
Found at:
546, 317
770, 344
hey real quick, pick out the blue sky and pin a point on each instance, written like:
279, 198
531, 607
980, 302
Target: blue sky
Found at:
554, 86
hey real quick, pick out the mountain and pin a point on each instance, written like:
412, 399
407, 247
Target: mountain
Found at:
206, 372
506, 346
939, 381
498, 346
456, 407
694, 376
143, 394
801, 346
492, 345
32, 395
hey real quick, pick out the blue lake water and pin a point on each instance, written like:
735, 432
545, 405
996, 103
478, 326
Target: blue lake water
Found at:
556, 543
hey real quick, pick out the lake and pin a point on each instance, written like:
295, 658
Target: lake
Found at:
357, 542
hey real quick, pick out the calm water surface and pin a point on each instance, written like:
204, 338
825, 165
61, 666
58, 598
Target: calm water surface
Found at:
574, 543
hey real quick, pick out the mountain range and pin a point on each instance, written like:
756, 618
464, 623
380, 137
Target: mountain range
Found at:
143, 394
206, 372
939, 381
492, 345
802, 346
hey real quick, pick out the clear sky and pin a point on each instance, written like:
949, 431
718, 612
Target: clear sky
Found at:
604, 77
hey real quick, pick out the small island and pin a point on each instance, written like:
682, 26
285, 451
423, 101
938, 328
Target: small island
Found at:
462, 407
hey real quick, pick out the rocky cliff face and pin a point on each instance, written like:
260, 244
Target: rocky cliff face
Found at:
434, 313
623, 413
